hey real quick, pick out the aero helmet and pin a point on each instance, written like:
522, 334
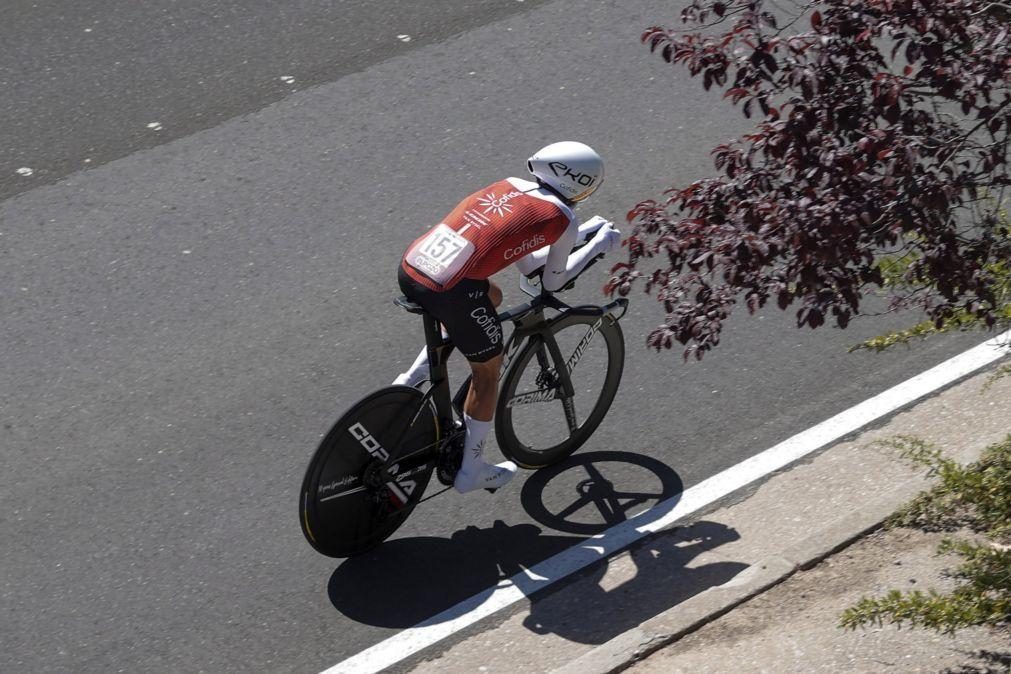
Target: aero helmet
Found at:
572, 169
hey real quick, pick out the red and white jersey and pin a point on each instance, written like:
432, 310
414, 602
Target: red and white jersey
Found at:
488, 231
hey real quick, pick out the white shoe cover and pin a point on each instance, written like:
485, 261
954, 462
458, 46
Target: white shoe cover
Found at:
488, 476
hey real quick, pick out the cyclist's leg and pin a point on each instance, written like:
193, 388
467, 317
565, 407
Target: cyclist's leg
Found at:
478, 335
494, 293
478, 409
483, 391
475, 472
418, 370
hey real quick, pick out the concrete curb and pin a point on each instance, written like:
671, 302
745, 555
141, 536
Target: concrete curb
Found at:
626, 649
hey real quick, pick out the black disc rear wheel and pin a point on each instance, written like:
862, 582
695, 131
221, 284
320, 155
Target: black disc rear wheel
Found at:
369, 472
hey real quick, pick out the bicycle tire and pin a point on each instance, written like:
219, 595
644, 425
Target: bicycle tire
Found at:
340, 512
577, 335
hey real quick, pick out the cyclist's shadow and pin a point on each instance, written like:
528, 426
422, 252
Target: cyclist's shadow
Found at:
410, 580
590, 493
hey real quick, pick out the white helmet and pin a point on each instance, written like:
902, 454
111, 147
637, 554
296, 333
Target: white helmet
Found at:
572, 169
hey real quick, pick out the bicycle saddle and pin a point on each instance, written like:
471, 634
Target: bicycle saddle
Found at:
408, 305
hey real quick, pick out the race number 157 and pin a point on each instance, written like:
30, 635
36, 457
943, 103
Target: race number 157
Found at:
444, 247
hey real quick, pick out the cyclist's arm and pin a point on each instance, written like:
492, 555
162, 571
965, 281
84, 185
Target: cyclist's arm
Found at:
534, 262
560, 265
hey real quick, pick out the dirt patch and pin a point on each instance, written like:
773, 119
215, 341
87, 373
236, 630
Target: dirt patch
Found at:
793, 627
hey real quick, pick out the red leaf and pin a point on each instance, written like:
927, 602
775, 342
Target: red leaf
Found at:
737, 92
816, 20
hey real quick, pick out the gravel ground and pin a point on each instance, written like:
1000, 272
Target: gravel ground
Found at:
793, 627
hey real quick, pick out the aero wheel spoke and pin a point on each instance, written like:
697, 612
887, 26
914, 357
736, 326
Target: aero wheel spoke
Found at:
570, 414
575, 507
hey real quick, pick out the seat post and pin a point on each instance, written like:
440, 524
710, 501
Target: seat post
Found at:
438, 350
438, 353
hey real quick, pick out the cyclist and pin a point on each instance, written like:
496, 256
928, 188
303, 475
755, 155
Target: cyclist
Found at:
447, 270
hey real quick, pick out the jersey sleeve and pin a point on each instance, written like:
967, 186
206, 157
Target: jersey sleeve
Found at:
530, 264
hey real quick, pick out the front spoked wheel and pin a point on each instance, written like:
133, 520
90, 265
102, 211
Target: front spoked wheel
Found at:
369, 472
536, 424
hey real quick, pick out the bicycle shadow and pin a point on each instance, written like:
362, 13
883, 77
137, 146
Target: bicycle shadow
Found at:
409, 581
593, 609
589, 493
596, 492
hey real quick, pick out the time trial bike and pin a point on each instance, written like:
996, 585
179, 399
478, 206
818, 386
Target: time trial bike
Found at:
561, 369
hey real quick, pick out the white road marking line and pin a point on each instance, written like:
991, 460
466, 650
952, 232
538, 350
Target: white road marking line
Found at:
466, 613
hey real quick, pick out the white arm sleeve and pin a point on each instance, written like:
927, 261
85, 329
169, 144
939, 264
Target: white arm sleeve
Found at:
557, 267
529, 264
560, 265
532, 262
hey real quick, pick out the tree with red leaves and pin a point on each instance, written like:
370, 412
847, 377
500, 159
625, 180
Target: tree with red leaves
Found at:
880, 161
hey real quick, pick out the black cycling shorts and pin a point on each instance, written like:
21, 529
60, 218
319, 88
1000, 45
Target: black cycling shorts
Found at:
465, 310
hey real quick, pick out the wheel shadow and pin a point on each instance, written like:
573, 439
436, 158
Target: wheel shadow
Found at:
590, 493
408, 581
587, 494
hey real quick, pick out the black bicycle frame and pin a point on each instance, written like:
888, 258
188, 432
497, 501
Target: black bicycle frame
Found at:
529, 322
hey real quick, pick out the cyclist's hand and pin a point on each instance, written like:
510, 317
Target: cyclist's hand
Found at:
607, 238
589, 228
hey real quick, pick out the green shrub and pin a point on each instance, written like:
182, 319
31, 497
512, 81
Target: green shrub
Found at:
978, 497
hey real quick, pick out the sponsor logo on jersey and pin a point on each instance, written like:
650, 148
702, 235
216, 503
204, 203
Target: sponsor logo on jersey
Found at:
526, 247
476, 219
499, 205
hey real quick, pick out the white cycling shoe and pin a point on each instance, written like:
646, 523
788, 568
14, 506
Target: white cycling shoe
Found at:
486, 476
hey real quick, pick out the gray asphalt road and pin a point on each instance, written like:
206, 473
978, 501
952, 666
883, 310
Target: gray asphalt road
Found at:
182, 324
83, 81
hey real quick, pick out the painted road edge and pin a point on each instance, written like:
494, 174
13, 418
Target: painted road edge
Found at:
508, 591
665, 628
